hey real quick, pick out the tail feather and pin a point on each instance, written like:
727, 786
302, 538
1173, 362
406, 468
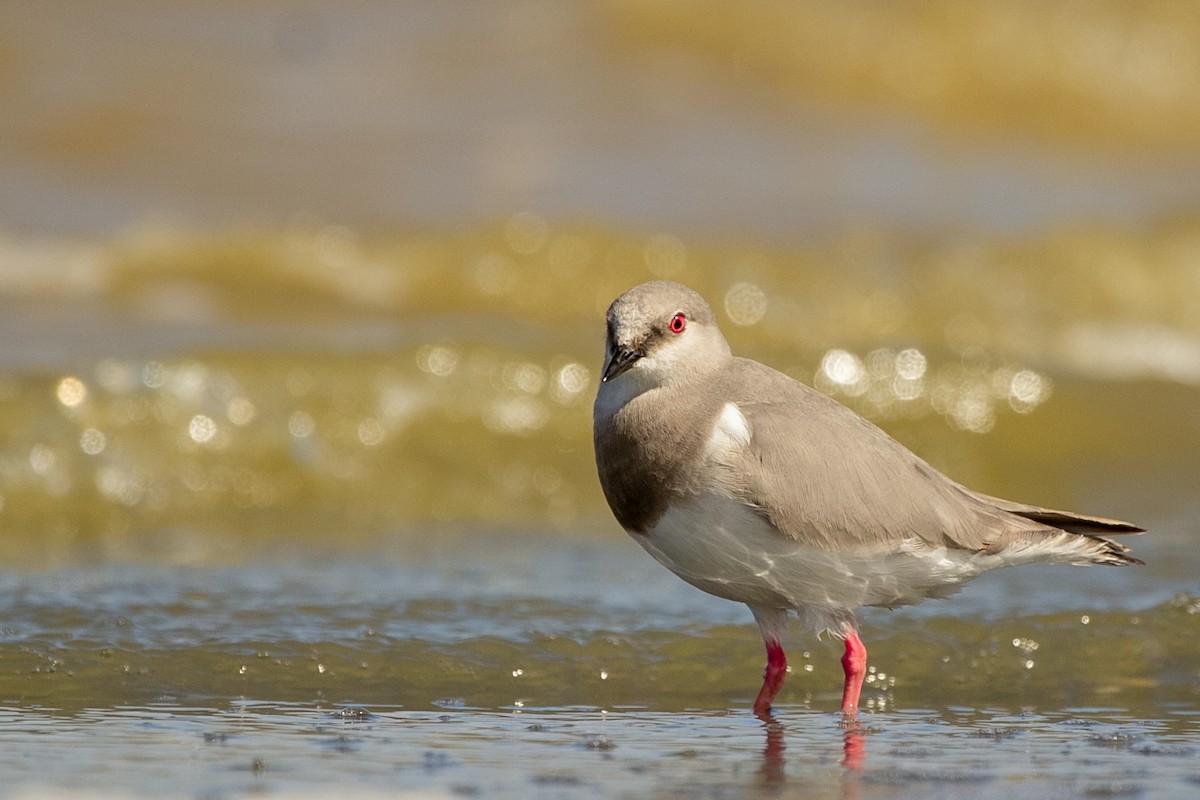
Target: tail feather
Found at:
1063, 520
1113, 553
1097, 529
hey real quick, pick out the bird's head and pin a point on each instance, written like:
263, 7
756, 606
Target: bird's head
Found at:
660, 333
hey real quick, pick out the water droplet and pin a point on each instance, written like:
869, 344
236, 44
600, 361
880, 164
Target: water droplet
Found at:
301, 424
202, 429
524, 377
92, 441
154, 375
515, 415
569, 382
437, 360
71, 391
371, 432
746, 304
911, 364
42, 459
240, 411
1027, 390
120, 484
973, 411
845, 370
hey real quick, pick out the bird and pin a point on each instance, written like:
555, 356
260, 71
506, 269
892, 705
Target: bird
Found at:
757, 488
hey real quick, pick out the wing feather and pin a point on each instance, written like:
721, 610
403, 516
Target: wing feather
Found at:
825, 476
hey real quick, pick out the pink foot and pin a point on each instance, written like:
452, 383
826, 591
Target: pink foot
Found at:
854, 663
772, 679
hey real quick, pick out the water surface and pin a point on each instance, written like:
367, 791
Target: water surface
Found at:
524, 665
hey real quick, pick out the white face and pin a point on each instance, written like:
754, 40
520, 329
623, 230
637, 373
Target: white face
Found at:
672, 357
666, 356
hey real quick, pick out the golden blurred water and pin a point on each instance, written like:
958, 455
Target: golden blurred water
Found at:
763, 119
1110, 74
205, 383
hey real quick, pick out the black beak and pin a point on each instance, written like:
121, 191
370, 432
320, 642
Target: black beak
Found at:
622, 359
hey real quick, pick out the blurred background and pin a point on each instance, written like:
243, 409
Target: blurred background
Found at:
280, 275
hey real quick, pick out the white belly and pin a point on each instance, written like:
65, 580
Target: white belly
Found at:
723, 547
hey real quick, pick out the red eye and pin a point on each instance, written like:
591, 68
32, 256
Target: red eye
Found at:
678, 323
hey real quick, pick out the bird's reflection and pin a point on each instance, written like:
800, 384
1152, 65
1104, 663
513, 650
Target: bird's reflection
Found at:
854, 745
771, 773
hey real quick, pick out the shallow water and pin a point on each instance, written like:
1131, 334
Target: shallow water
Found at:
284, 749
529, 665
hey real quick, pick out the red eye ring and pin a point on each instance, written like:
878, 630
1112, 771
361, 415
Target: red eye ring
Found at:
678, 323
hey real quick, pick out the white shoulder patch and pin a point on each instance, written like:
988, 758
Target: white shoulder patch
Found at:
731, 430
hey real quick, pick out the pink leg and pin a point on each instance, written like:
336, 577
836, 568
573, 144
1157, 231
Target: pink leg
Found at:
773, 623
854, 664
772, 678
